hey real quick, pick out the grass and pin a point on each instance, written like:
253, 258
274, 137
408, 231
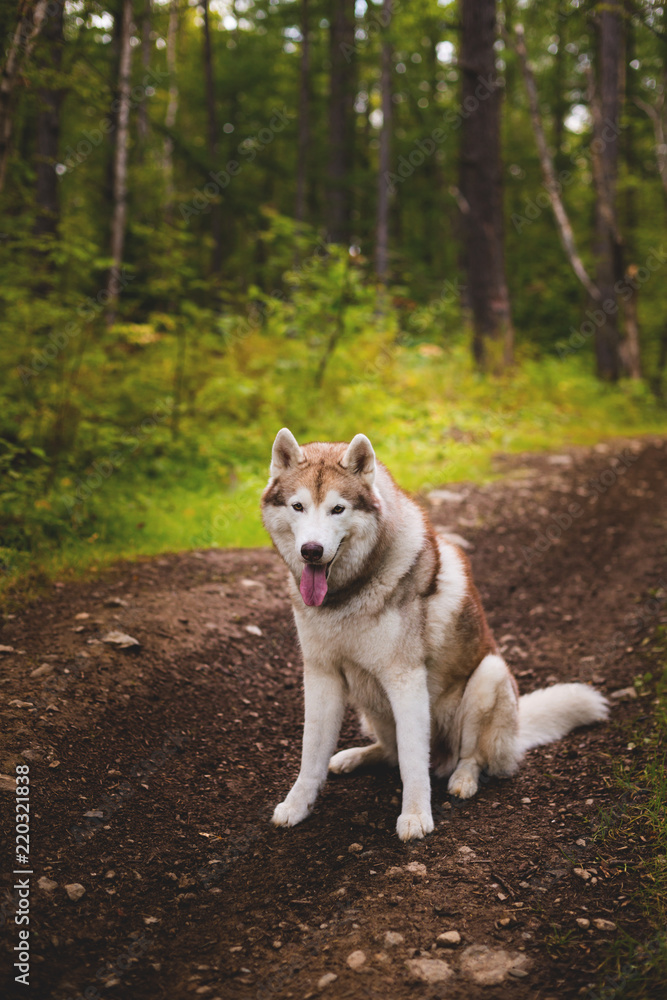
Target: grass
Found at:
431, 418
637, 969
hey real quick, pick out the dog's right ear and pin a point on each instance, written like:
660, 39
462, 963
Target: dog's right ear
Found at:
286, 452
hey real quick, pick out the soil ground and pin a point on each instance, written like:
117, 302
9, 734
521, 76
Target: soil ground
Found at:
154, 770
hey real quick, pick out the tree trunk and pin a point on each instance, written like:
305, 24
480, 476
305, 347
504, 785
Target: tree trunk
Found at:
119, 216
565, 230
142, 110
608, 251
172, 110
216, 209
304, 117
481, 188
48, 125
30, 21
341, 119
382, 239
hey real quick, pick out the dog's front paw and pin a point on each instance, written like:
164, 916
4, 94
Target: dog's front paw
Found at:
414, 826
347, 760
290, 813
463, 783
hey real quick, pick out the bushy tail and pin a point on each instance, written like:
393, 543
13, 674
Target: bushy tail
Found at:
548, 714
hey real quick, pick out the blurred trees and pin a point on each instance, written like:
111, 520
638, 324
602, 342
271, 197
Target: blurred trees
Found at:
361, 120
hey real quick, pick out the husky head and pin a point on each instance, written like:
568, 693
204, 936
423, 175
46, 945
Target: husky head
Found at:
321, 509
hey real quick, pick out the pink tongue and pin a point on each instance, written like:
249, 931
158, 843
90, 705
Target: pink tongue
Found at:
313, 585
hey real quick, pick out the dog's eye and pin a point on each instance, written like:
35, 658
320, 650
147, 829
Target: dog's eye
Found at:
297, 506
338, 509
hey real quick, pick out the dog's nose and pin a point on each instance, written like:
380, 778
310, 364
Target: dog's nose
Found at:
312, 552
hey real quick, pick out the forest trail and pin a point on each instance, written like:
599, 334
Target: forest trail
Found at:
190, 892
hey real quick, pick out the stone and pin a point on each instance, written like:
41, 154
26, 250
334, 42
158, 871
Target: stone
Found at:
43, 671
449, 939
393, 938
326, 980
75, 891
416, 868
253, 629
120, 639
489, 966
624, 694
601, 924
356, 960
583, 922
355, 848
429, 970
47, 884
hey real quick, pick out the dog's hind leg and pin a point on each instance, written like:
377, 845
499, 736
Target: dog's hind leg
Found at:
488, 720
384, 749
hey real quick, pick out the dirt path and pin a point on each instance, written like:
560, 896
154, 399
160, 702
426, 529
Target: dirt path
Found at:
154, 771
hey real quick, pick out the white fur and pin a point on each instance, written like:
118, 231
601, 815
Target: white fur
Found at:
398, 658
550, 713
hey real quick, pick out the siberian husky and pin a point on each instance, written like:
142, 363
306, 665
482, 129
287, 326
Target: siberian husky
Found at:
389, 620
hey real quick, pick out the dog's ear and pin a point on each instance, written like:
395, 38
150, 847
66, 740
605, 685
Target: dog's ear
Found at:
286, 452
360, 458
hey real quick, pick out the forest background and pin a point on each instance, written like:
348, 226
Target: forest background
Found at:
439, 224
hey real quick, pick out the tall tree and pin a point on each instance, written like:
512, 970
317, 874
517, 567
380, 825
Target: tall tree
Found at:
142, 110
121, 149
382, 235
48, 123
216, 208
342, 53
303, 138
172, 109
30, 20
605, 103
481, 187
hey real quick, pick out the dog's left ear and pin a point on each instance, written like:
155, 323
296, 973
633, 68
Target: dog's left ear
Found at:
286, 452
360, 458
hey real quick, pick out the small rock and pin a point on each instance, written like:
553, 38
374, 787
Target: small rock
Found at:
604, 925
624, 694
43, 671
429, 970
326, 980
392, 938
449, 939
7, 783
583, 922
581, 873
356, 959
17, 703
416, 868
147, 920
82, 616
253, 629
355, 848
115, 602
120, 639
47, 884
6, 649
489, 966
526, 801
203, 989
75, 891
581, 842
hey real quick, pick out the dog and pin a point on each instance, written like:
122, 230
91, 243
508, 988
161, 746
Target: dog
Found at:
390, 621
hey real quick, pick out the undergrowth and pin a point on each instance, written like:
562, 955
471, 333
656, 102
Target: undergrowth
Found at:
637, 967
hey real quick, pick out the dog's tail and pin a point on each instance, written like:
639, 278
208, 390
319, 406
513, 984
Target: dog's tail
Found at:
549, 713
